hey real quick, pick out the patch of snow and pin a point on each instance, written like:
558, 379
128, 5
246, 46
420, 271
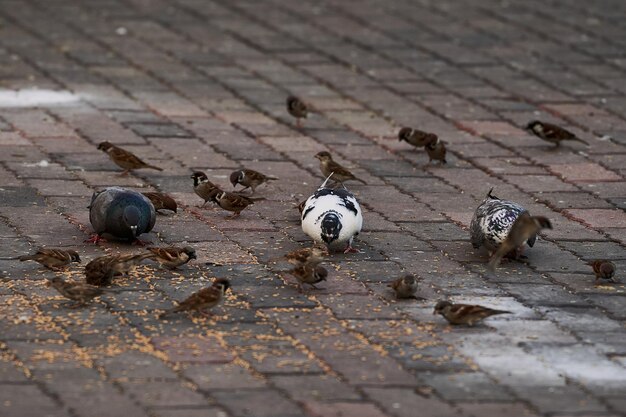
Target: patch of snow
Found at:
33, 97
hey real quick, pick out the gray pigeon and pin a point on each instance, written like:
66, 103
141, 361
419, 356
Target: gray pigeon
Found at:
121, 213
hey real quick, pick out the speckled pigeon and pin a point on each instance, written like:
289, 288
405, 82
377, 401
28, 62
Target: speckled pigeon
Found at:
332, 216
121, 213
492, 222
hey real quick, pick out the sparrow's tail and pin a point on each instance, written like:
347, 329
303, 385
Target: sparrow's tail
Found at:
153, 167
168, 312
577, 139
267, 177
24, 258
360, 180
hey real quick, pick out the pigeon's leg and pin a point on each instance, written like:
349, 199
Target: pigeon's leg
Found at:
350, 249
141, 243
234, 216
298, 124
95, 238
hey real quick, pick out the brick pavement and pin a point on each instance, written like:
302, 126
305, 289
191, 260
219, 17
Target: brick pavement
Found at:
201, 84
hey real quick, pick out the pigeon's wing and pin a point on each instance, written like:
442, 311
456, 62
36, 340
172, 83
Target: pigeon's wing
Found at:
99, 208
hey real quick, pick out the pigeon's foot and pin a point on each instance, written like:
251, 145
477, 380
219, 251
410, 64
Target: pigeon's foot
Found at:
95, 239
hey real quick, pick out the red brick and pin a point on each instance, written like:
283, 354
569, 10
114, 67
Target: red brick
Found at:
586, 172
599, 218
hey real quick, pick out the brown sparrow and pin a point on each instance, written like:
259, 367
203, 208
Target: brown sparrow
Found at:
297, 108
101, 270
80, 292
202, 300
204, 188
54, 259
465, 313
233, 202
603, 269
249, 178
312, 255
123, 158
552, 133
173, 257
339, 173
309, 273
435, 149
415, 137
523, 228
405, 287
162, 201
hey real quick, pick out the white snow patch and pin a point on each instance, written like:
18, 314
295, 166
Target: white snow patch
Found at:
33, 97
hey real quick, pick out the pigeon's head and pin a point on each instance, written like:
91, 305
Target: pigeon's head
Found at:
331, 226
74, 256
222, 283
191, 252
324, 156
236, 177
104, 146
534, 126
441, 306
199, 177
130, 218
404, 133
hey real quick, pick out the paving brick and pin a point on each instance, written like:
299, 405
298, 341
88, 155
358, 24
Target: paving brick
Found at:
599, 218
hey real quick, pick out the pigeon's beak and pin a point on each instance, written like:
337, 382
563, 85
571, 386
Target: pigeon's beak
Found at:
327, 238
193, 256
134, 230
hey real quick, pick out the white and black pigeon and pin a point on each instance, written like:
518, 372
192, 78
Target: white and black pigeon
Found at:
492, 222
333, 217
121, 213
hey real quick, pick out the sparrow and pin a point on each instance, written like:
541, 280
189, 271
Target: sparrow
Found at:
101, 271
312, 255
435, 149
162, 201
465, 313
415, 137
123, 158
202, 300
492, 221
297, 108
234, 202
301, 206
249, 178
603, 269
524, 227
332, 217
204, 188
80, 292
54, 259
309, 273
173, 257
405, 287
552, 133
121, 213
339, 173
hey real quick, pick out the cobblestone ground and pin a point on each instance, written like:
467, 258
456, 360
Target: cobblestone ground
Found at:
201, 84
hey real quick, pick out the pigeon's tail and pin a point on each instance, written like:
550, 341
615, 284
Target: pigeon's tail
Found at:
326, 181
